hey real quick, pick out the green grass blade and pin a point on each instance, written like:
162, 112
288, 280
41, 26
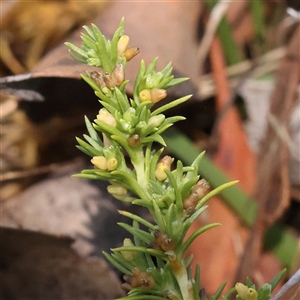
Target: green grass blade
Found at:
224, 31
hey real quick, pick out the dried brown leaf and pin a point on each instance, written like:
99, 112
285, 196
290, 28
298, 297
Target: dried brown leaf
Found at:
39, 266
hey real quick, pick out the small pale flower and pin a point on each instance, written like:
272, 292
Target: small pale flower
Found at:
241, 290
145, 95
130, 53
99, 162
118, 74
122, 44
117, 190
112, 164
164, 164
106, 117
157, 94
251, 294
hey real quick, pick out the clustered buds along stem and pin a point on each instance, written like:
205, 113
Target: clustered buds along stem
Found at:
106, 80
104, 164
116, 78
128, 53
154, 95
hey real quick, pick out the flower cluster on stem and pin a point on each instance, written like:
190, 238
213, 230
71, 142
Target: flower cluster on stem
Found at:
153, 261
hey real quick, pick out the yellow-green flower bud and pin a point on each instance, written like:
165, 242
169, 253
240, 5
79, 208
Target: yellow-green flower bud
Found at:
157, 95
251, 294
164, 164
128, 255
122, 44
106, 117
160, 173
130, 53
156, 120
117, 190
112, 164
99, 162
145, 95
242, 290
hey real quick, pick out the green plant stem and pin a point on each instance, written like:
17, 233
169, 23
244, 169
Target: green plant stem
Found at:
180, 273
138, 161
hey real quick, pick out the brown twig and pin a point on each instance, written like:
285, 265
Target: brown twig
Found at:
273, 190
15, 175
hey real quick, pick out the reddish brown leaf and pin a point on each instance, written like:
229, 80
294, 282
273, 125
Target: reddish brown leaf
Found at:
236, 159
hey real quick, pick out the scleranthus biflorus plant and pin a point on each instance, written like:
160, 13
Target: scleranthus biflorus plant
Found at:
153, 262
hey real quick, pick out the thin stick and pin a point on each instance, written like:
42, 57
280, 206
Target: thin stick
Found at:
215, 18
266, 63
